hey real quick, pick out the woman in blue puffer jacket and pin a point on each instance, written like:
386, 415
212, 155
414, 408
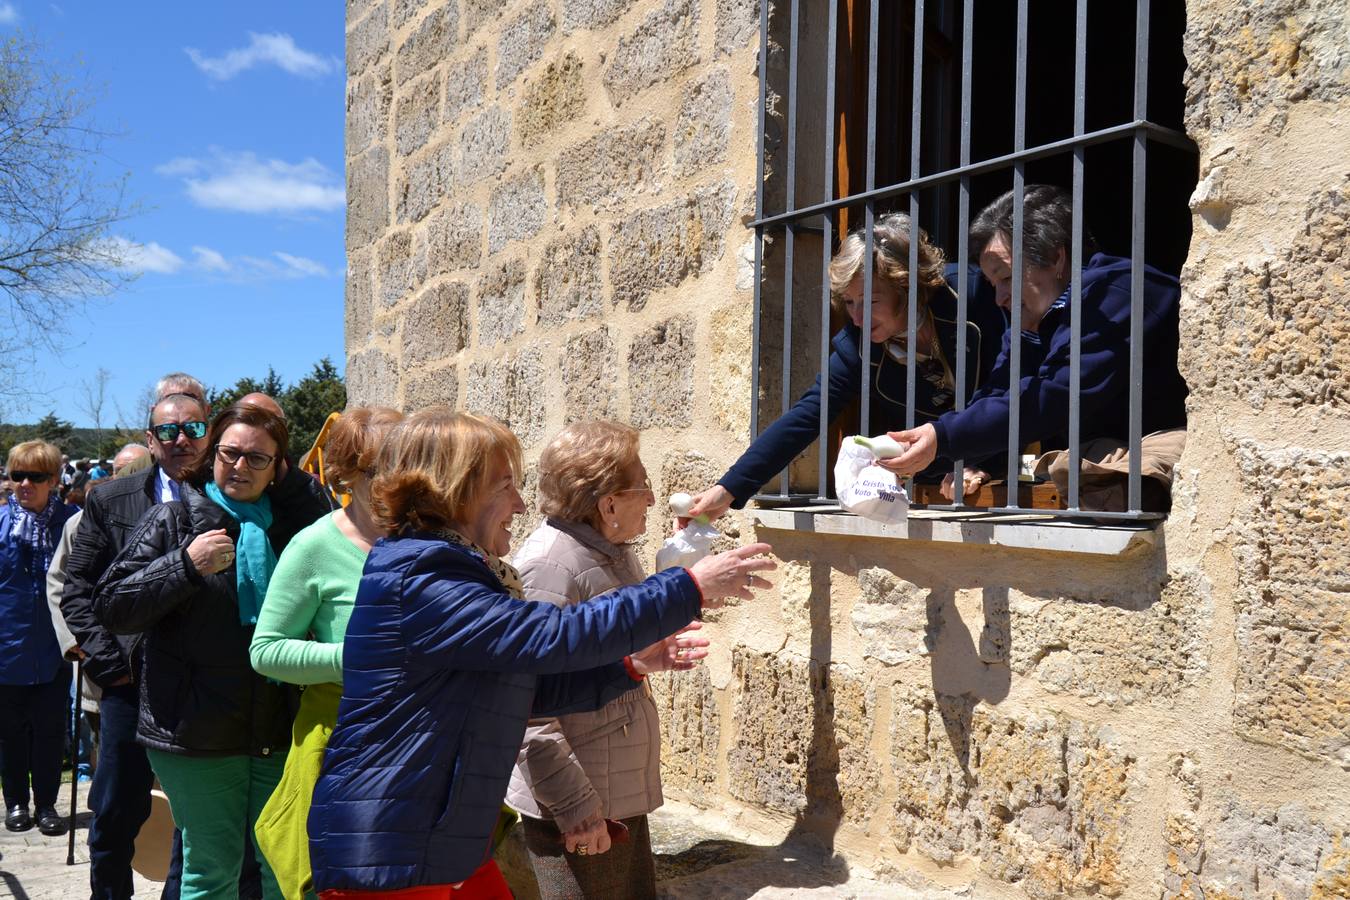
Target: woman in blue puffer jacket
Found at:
443, 664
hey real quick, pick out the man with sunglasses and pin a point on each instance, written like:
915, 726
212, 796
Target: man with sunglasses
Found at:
120, 796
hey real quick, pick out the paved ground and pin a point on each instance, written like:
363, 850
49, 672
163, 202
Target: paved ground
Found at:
696, 860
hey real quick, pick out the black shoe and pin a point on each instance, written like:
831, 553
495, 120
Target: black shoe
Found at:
48, 822
18, 819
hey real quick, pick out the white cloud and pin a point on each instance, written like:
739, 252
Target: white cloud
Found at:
243, 182
210, 260
9, 14
263, 49
134, 257
302, 266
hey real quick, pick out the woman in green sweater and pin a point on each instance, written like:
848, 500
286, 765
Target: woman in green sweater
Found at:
299, 634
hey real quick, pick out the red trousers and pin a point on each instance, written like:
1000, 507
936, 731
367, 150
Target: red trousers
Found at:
485, 884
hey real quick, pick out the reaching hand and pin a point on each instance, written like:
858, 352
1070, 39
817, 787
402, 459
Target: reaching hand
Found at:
731, 574
673, 654
971, 480
713, 503
922, 451
211, 551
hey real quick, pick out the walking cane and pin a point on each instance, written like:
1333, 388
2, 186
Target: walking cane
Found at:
75, 758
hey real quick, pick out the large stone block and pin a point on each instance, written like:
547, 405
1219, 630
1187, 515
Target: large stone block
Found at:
368, 100
416, 115
782, 715
1115, 653
360, 299
522, 41
501, 303
567, 284
512, 389
1040, 802
663, 246
404, 11
857, 775
554, 97
663, 44
893, 617
517, 210
367, 197
661, 374
1247, 58
590, 376
703, 127
372, 379
485, 145
1275, 852
424, 182
454, 238
1278, 330
435, 325
690, 731
1292, 540
401, 264
466, 85
480, 12
729, 367
368, 40
1182, 831
429, 43
591, 13
737, 24
438, 387
606, 170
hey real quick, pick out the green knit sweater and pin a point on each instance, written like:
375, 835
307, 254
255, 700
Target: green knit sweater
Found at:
300, 628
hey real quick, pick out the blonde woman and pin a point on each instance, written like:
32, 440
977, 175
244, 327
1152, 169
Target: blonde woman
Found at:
577, 770
935, 355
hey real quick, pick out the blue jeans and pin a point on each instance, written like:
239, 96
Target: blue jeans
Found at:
119, 797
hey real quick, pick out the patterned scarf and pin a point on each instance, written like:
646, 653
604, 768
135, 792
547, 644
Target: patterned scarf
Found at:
505, 572
31, 528
255, 560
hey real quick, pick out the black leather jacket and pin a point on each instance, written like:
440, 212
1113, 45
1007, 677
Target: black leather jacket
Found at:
198, 694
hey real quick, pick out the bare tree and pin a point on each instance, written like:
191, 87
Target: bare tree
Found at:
138, 417
56, 206
93, 397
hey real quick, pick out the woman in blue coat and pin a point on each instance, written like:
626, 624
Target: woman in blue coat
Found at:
981, 429
34, 678
935, 355
443, 664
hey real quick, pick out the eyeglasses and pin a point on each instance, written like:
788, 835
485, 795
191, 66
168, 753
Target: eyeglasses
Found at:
231, 455
646, 487
33, 477
168, 432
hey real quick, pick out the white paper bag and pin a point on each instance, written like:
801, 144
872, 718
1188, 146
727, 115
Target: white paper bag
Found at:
865, 489
686, 546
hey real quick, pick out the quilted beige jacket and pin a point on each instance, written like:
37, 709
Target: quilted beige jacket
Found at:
607, 761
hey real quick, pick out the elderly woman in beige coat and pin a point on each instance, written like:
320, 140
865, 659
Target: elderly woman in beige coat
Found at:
587, 774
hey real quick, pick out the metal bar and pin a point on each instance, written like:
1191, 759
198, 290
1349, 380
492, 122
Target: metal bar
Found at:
1076, 256
869, 223
1019, 188
790, 239
826, 248
1137, 254
1154, 132
1068, 514
963, 234
759, 226
912, 311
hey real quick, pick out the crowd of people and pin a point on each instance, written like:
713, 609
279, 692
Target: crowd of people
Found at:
349, 687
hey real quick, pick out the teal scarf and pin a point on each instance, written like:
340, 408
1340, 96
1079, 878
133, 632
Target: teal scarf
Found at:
254, 559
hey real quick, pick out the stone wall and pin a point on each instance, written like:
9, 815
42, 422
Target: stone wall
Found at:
546, 206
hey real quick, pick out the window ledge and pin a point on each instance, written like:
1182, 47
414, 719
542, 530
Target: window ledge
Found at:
1024, 532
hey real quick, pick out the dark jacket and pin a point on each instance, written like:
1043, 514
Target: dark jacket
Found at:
29, 651
112, 510
981, 429
441, 670
795, 430
199, 696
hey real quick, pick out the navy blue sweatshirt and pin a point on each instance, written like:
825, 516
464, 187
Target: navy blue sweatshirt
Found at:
797, 428
981, 429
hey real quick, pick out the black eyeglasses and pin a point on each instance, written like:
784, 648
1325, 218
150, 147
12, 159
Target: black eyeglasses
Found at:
34, 477
168, 432
231, 455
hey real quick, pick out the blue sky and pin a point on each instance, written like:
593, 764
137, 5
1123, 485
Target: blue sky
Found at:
228, 120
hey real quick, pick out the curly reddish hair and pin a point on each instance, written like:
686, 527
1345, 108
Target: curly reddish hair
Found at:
354, 442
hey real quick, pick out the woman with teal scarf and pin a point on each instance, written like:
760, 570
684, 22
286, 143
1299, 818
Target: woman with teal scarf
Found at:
191, 581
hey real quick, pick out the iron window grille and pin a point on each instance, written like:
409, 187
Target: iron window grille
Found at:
821, 217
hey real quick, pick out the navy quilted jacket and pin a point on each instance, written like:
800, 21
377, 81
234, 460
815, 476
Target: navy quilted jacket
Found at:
441, 670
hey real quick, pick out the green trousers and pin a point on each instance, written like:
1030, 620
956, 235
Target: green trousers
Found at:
215, 802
